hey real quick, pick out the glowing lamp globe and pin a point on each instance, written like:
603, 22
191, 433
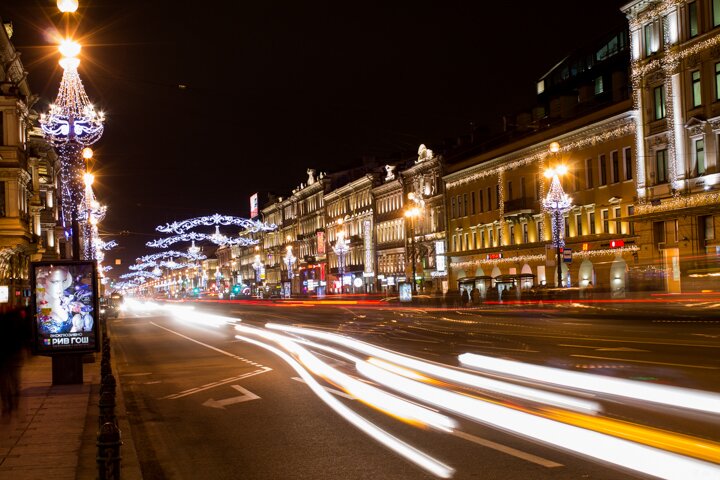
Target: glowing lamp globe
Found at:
89, 179
67, 6
549, 173
69, 48
561, 169
87, 153
68, 63
554, 147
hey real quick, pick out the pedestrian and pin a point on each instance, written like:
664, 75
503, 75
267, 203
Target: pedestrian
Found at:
12, 353
464, 298
475, 296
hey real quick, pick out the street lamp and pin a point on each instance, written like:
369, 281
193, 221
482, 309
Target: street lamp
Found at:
412, 214
289, 260
557, 202
341, 249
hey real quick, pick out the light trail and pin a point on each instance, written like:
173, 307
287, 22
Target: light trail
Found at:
447, 373
672, 396
409, 452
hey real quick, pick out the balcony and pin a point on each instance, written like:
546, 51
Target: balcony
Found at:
520, 206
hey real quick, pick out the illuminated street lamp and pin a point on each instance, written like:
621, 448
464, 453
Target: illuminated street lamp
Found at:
67, 6
412, 213
557, 202
341, 249
289, 260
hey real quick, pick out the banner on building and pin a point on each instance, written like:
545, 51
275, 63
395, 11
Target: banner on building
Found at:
369, 270
65, 307
320, 236
254, 210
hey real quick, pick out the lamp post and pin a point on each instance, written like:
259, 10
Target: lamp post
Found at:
557, 202
412, 214
341, 249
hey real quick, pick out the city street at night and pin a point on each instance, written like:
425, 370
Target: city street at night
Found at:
319, 240
203, 394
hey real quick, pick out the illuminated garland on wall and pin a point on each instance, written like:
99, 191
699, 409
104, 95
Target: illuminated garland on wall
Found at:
522, 259
680, 202
543, 153
140, 274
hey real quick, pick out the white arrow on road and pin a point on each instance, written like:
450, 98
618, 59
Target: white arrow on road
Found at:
246, 395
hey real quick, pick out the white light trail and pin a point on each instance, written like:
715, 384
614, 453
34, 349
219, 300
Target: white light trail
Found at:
628, 454
409, 452
446, 373
364, 392
673, 396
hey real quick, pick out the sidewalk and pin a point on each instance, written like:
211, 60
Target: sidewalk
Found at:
53, 432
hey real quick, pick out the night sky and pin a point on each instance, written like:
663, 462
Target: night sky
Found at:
273, 88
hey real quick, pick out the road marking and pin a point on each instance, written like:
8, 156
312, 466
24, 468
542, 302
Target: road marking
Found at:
504, 348
208, 386
231, 355
645, 361
604, 349
331, 390
509, 450
244, 397
135, 374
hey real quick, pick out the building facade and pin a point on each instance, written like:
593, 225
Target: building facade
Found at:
676, 87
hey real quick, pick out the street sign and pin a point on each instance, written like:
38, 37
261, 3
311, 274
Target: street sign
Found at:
567, 255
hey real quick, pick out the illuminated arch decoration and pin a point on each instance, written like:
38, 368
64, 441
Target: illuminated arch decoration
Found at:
138, 275
172, 254
195, 236
249, 226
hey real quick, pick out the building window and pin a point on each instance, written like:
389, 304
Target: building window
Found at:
481, 207
467, 242
489, 198
2, 197
599, 86
482, 239
603, 170
589, 173
648, 39
453, 207
591, 222
618, 222
522, 188
474, 240
716, 12
676, 230
526, 237
631, 224
627, 159
605, 222
454, 243
2, 129
509, 191
578, 224
512, 234
537, 184
659, 96
717, 81
576, 182
540, 231
707, 230
615, 160
700, 156
692, 19
566, 233
661, 166
497, 197
696, 89
491, 241
472, 203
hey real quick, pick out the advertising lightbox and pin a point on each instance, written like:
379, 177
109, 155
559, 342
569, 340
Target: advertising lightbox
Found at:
65, 307
254, 208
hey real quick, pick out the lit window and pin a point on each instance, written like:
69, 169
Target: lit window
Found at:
659, 96
578, 224
692, 19
716, 12
605, 222
599, 86
696, 89
700, 156
591, 222
540, 87
661, 166
618, 222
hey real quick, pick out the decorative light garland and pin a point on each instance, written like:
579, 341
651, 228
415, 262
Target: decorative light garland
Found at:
518, 259
605, 135
171, 254
700, 199
184, 226
139, 274
195, 236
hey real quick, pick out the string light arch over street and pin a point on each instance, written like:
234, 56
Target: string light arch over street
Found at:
184, 226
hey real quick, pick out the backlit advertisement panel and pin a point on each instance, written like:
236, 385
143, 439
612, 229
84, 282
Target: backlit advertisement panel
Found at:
254, 210
65, 307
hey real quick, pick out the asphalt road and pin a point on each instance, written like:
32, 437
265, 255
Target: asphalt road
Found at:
204, 404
